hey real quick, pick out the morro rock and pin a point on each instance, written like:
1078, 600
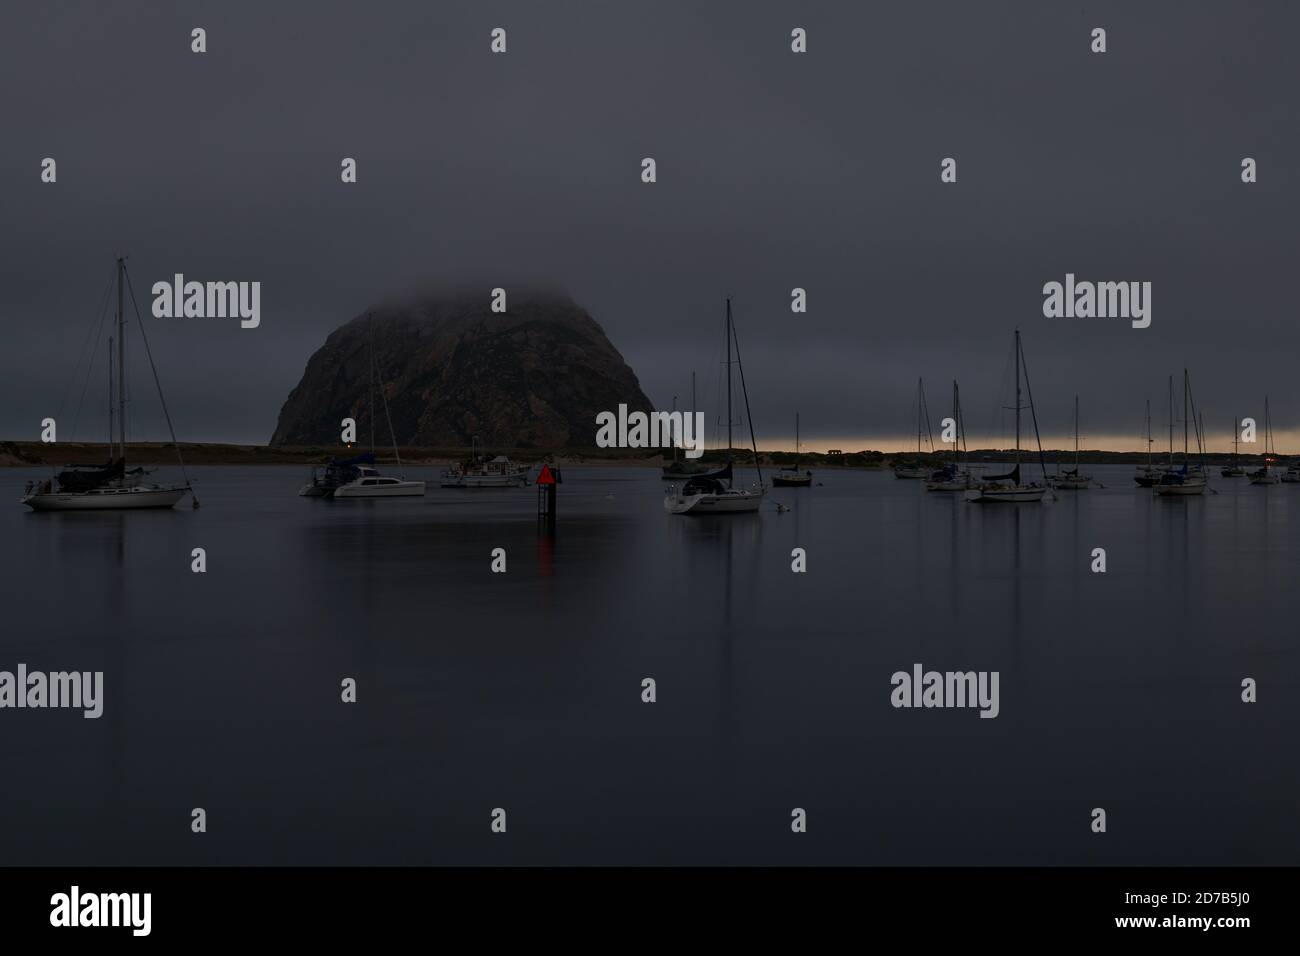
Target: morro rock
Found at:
452, 369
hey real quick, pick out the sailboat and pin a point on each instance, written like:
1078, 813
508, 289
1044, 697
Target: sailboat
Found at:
952, 476
479, 471
1233, 470
363, 479
1148, 475
112, 486
1008, 488
793, 477
685, 468
1266, 475
918, 468
1189, 479
1071, 480
704, 495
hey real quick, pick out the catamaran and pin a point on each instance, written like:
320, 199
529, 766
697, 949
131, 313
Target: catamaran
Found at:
793, 477
918, 468
1266, 475
1189, 479
708, 496
952, 476
1071, 480
338, 472
358, 477
1008, 488
112, 486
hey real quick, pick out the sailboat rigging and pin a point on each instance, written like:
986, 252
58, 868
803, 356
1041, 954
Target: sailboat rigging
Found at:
1071, 480
952, 476
793, 477
1234, 470
703, 495
684, 467
112, 486
1266, 475
357, 477
918, 468
1008, 488
1189, 479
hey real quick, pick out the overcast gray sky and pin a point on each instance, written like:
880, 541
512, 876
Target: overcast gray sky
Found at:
775, 170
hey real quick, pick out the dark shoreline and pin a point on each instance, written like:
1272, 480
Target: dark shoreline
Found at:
31, 454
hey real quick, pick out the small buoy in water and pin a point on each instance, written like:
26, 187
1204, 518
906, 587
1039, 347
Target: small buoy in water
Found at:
781, 509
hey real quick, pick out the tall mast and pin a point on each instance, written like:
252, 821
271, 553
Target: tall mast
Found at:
956, 408
796, 441
1171, 421
675, 443
728, 378
1234, 442
1149, 434
370, 393
961, 425
1076, 433
920, 399
1017, 399
112, 448
121, 362
1268, 430
1184, 417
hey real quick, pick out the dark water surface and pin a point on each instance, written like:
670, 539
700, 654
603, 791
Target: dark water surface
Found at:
523, 690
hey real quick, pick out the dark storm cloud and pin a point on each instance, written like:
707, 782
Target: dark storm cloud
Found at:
775, 171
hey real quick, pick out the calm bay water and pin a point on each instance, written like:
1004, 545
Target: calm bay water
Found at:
522, 690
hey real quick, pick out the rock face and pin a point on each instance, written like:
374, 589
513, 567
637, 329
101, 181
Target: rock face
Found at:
452, 369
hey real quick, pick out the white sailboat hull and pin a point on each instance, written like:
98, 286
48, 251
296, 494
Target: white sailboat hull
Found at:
1265, 480
400, 489
1189, 487
725, 503
107, 499
1007, 494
